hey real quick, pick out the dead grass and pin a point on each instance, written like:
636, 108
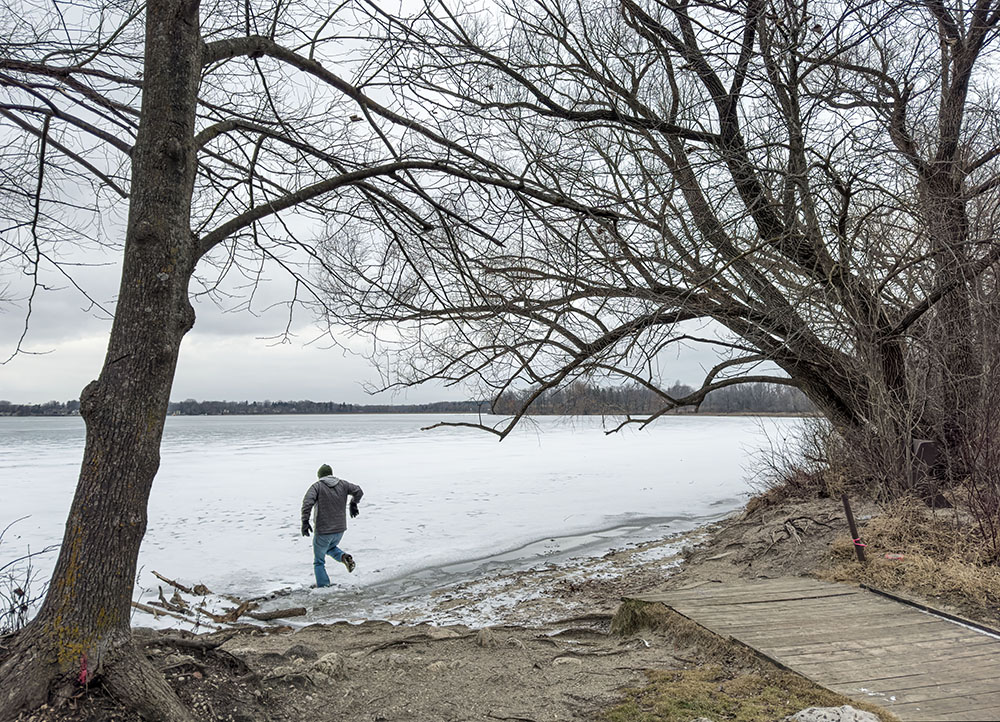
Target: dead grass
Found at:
796, 485
712, 691
942, 556
634, 615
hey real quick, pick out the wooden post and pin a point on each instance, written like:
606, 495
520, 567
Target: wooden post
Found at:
859, 547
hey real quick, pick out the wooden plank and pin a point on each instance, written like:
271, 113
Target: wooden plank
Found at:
846, 645
752, 623
752, 587
789, 638
897, 654
913, 676
865, 635
756, 595
771, 583
801, 607
939, 650
919, 632
963, 716
839, 607
838, 596
775, 630
956, 669
777, 610
933, 690
952, 703
855, 642
967, 715
979, 626
754, 592
779, 630
788, 597
936, 715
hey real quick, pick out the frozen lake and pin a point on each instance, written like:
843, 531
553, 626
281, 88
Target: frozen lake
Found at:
439, 505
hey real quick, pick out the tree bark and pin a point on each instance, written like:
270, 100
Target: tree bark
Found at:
955, 357
82, 631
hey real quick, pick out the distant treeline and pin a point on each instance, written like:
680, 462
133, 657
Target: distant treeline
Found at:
577, 399
586, 399
49, 408
190, 407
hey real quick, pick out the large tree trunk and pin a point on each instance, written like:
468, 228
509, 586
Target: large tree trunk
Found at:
82, 631
956, 364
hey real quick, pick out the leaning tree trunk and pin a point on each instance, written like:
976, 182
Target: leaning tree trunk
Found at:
82, 632
957, 367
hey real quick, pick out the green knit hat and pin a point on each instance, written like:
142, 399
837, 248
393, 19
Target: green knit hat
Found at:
324, 470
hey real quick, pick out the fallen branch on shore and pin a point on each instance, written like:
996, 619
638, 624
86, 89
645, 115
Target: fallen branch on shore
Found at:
229, 615
278, 614
199, 644
197, 612
792, 528
157, 612
176, 585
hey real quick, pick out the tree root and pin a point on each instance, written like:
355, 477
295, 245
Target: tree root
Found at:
136, 683
201, 644
30, 677
25, 679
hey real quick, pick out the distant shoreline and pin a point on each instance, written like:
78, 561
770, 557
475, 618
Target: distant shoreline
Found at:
578, 399
406, 410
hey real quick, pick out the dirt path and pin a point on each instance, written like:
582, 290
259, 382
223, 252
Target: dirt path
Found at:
375, 671
553, 658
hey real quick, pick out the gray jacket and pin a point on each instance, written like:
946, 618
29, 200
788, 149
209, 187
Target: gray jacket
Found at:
329, 495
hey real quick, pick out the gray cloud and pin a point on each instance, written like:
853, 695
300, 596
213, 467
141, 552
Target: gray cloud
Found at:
226, 356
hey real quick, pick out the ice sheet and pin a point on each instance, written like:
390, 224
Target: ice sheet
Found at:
438, 505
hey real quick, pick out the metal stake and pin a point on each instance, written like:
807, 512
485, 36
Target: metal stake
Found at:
859, 548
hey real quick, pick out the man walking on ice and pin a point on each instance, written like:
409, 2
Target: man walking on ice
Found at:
329, 496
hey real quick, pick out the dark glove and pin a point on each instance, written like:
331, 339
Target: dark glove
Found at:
306, 528
354, 509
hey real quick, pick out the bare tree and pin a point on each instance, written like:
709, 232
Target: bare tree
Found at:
547, 191
809, 188
226, 134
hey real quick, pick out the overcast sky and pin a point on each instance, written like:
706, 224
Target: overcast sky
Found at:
228, 355
225, 357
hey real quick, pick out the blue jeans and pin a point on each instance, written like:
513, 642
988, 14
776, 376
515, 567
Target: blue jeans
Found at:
324, 544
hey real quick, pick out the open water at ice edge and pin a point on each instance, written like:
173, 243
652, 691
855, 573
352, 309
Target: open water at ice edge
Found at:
439, 506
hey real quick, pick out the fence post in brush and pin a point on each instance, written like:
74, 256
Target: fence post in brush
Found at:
859, 546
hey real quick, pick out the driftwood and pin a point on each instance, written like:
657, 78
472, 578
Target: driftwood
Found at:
198, 590
278, 614
176, 585
230, 615
420, 638
157, 612
199, 644
176, 603
180, 608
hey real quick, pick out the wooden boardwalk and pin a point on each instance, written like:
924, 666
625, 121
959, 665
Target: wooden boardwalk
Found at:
856, 642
